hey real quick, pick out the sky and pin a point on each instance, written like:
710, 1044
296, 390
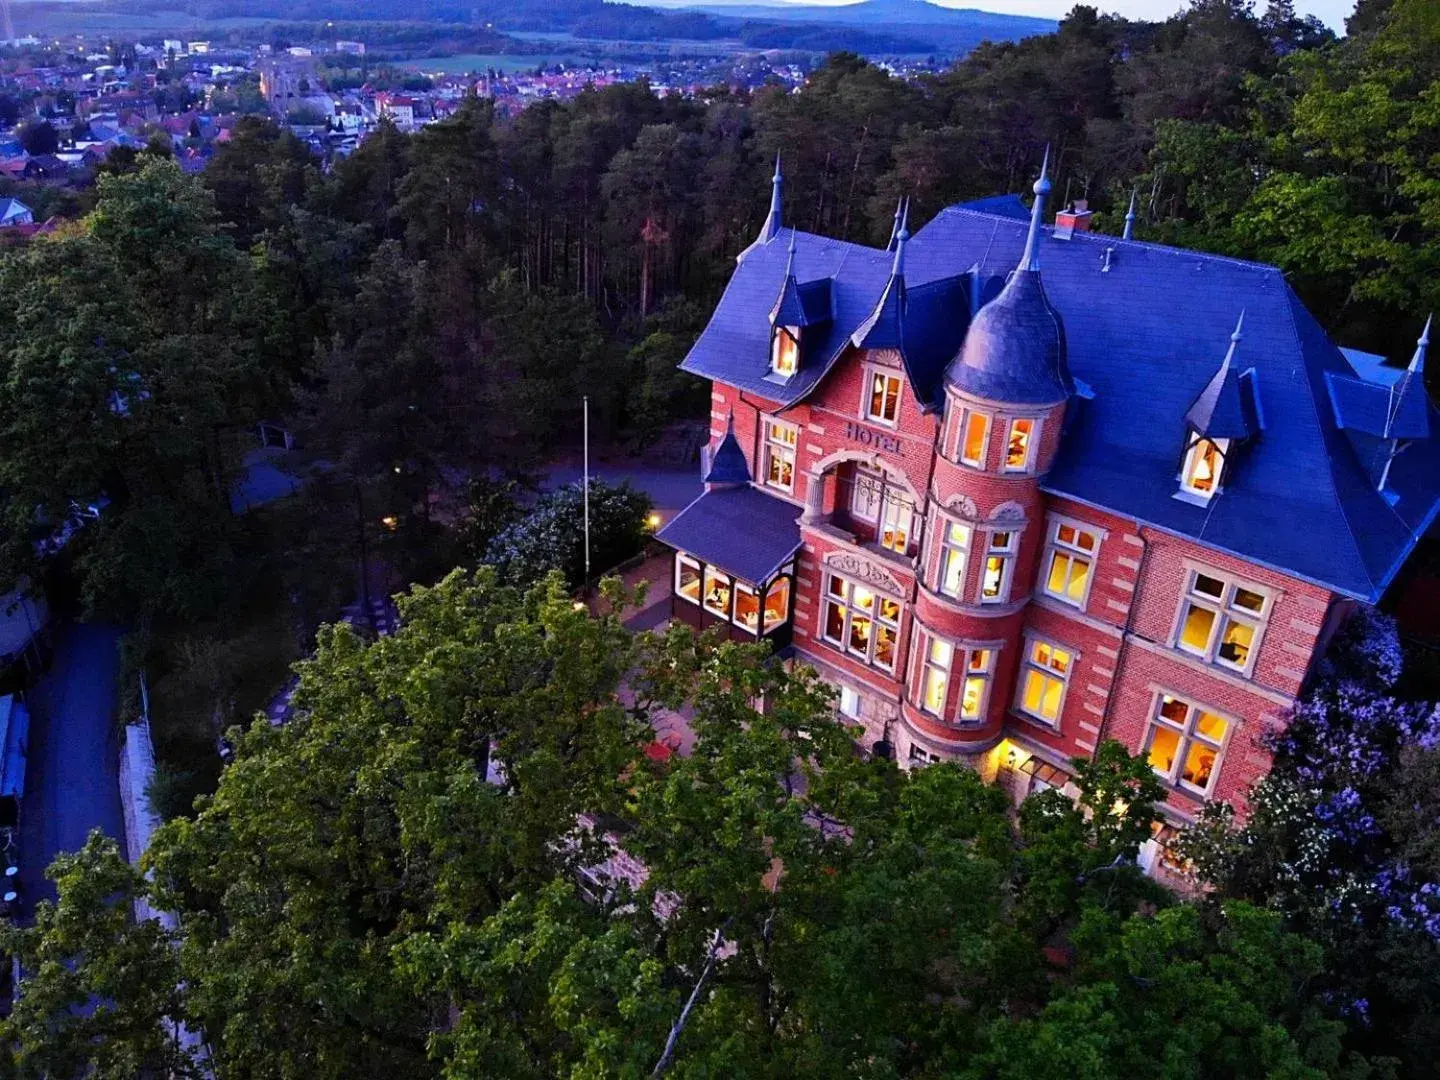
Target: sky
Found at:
1330, 12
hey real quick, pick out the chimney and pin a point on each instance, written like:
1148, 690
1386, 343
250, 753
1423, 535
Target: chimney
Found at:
1074, 218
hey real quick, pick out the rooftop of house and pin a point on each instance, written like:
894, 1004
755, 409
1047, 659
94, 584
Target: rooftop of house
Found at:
1146, 331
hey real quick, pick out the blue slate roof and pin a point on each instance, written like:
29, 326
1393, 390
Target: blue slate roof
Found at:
1015, 349
742, 530
729, 465
1229, 406
802, 305
1144, 336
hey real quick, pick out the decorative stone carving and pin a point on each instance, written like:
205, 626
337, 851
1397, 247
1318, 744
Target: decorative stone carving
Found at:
964, 506
1011, 513
862, 569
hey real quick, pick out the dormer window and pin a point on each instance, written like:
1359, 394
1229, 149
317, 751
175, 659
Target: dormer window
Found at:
785, 351
1203, 468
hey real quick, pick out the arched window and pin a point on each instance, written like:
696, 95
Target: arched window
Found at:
1203, 467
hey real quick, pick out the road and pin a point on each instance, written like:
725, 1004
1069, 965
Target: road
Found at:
72, 781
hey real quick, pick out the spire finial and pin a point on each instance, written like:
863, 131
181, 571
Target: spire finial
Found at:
1130, 217
1239, 327
774, 219
1422, 346
902, 234
895, 226
1030, 260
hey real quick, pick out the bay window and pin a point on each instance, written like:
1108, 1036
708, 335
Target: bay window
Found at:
779, 466
975, 693
938, 664
747, 606
717, 592
687, 579
1020, 445
882, 402
999, 566
1220, 621
974, 434
777, 603
1185, 743
860, 622
1069, 561
1044, 673
954, 556
935, 675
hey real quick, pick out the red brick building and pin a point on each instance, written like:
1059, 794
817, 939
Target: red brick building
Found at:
1122, 491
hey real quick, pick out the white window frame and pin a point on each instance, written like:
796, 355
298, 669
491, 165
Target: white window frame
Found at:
888, 497
867, 391
850, 609
1056, 546
1007, 555
1031, 448
710, 572
849, 703
694, 564
736, 588
779, 446
923, 643
947, 548
1226, 611
1187, 468
793, 333
1028, 663
960, 440
920, 756
1188, 733
985, 675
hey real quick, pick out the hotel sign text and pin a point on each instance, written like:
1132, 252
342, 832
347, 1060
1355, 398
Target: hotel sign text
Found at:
869, 437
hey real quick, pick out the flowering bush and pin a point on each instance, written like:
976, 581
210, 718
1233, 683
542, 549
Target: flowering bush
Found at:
552, 535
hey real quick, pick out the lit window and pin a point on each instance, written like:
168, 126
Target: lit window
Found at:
1204, 464
747, 606
1220, 621
860, 623
1043, 676
785, 351
875, 498
1072, 556
1185, 743
687, 579
975, 694
849, 703
780, 455
935, 676
954, 552
1018, 445
999, 563
883, 401
777, 603
717, 592
973, 438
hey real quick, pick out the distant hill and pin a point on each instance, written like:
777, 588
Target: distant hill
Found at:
874, 13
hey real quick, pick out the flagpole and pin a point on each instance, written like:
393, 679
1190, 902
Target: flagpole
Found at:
585, 404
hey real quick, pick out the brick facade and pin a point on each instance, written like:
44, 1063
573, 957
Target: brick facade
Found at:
1123, 658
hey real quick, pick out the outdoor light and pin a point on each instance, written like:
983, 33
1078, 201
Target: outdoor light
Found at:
389, 521
653, 521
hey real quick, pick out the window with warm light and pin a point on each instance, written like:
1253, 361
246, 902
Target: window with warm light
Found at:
999, 565
973, 436
876, 498
954, 556
860, 622
687, 579
1070, 558
882, 403
1019, 445
717, 592
747, 606
975, 693
785, 351
1044, 673
779, 470
777, 603
1221, 620
1203, 467
1185, 744
935, 676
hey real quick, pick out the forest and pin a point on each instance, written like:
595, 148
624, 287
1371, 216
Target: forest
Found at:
425, 315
